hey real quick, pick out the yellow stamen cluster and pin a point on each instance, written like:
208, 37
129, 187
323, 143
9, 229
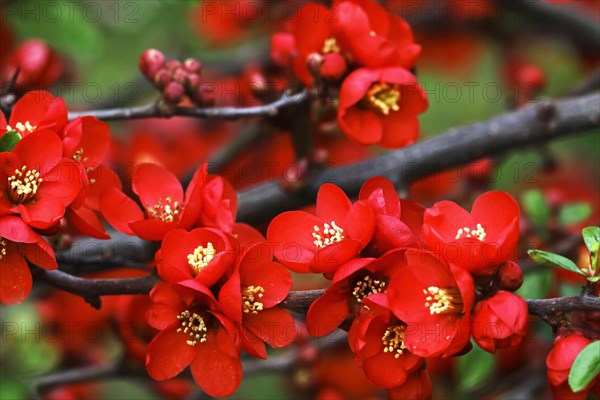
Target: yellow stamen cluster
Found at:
23, 185
78, 155
201, 256
22, 128
3, 245
330, 46
383, 97
331, 234
393, 340
250, 297
194, 326
168, 212
478, 233
443, 301
367, 286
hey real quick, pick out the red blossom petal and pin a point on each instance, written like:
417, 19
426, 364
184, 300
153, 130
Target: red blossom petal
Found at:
41, 109
87, 222
399, 130
275, 326
362, 126
216, 373
169, 354
151, 229
119, 210
253, 344
274, 278
153, 184
230, 297
384, 370
40, 254
326, 313
15, 279
332, 203
90, 135
41, 150
290, 233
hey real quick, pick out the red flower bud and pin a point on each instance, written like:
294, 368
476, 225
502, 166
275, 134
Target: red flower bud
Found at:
38, 63
180, 75
192, 65
510, 276
500, 321
333, 66
205, 95
283, 47
150, 62
173, 65
193, 81
173, 93
162, 78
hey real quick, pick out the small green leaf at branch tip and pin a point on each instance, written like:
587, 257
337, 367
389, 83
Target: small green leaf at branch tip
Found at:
591, 237
573, 213
9, 140
554, 260
585, 367
594, 279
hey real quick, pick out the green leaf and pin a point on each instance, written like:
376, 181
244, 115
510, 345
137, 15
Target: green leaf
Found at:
591, 237
594, 279
574, 212
585, 367
470, 377
554, 260
537, 208
9, 140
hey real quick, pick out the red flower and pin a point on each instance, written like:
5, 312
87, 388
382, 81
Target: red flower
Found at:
36, 110
435, 302
193, 332
307, 243
161, 194
378, 340
250, 297
478, 241
380, 106
36, 182
38, 64
374, 37
398, 222
351, 283
559, 362
204, 255
417, 387
17, 243
500, 321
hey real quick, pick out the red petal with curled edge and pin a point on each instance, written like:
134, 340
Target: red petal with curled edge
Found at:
362, 126
359, 223
154, 184
381, 195
217, 373
326, 313
253, 345
230, 297
169, 354
275, 326
332, 203
15, 278
87, 222
40, 254
119, 210
41, 109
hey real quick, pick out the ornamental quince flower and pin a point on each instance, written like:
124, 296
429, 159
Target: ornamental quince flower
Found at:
478, 241
380, 106
36, 110
161, 194
416, 387
434, 300
19, 244
377, 338
39, 65
321, 243
398, 221
203, 254
352, 283
559, 363
193, 332
250, 297
500, 321
36, 182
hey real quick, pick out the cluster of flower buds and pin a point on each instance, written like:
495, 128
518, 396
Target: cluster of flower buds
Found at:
176, 79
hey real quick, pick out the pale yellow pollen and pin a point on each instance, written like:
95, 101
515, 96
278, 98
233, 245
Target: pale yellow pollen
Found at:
201, 256
194, 326
372, 33
393, 340
168, 212
478, 233
383, 97
3, 245
330, 234
443, 301
330, 46
368, 286
23, 185
250, 297
22, 128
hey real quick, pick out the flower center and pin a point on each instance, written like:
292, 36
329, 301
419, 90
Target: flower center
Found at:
23, 185
383, 97
22, 128
250, 297
443, 301
330, 46
194, 326
3, 245
366, 287
478, 233
393, 340
200, 258
168, 212
331, 234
